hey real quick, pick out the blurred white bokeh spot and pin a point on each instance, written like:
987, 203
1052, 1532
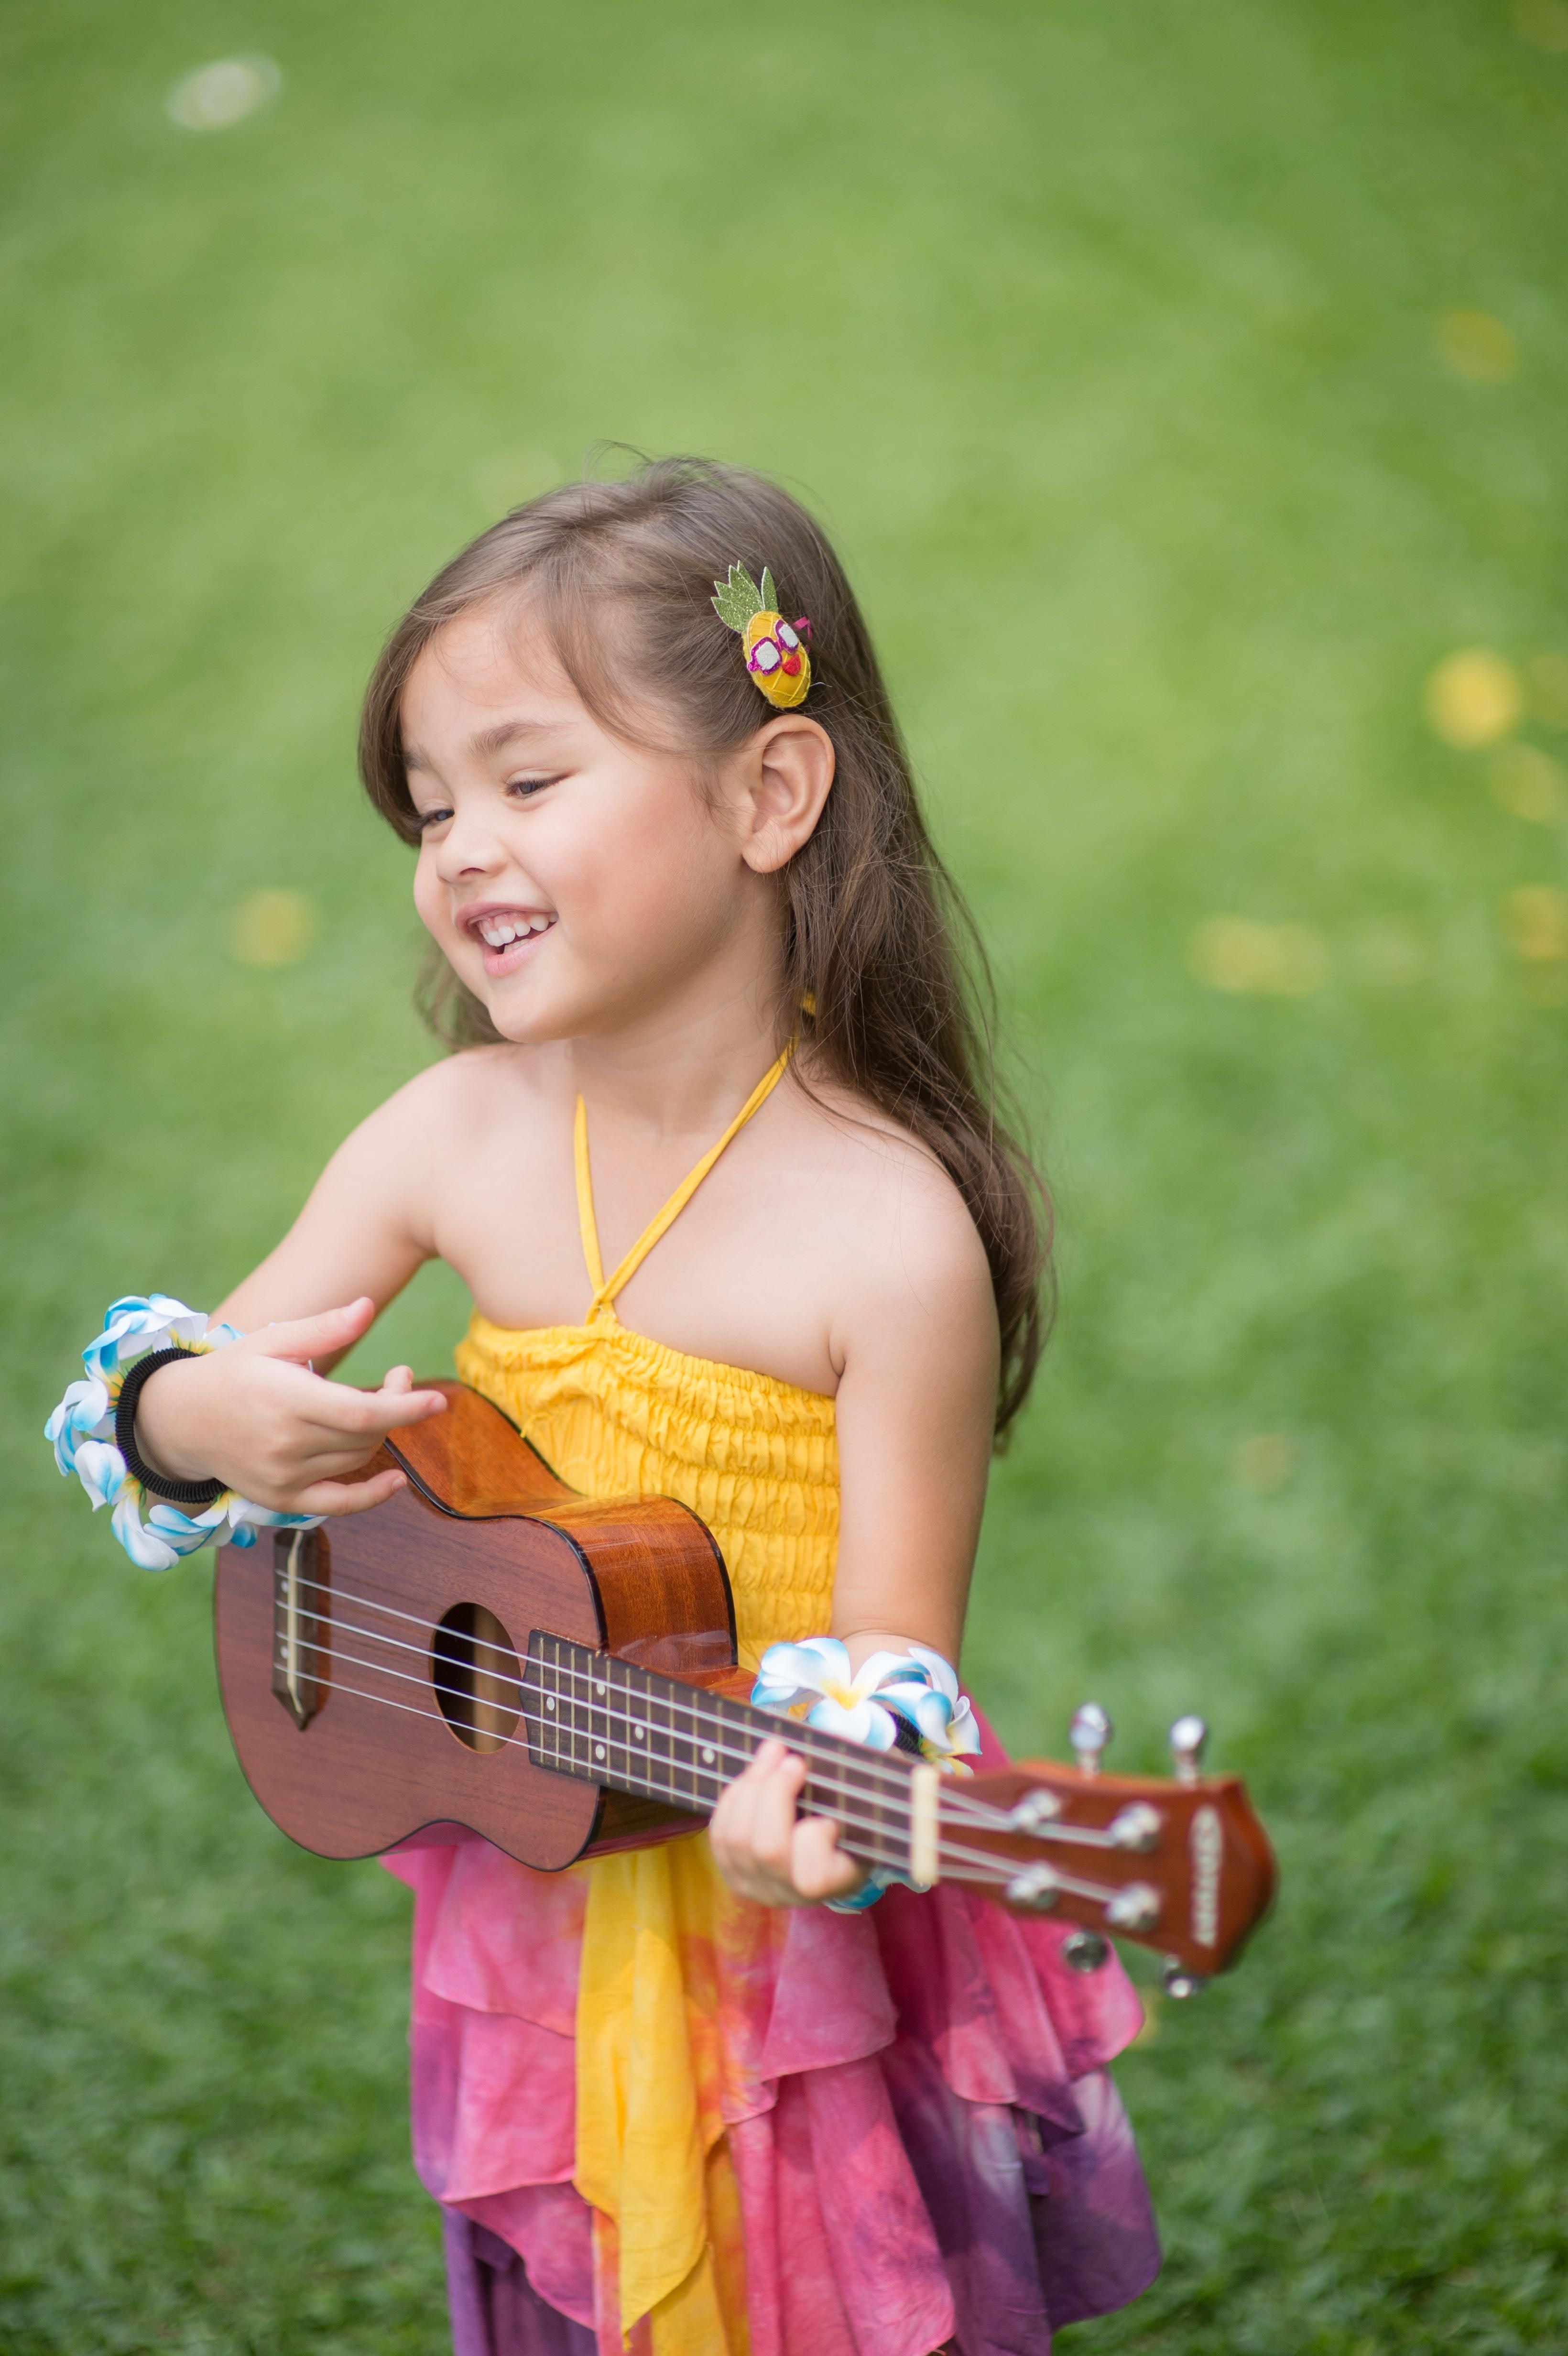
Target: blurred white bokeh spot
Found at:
1240, 954
272, 928
217, 96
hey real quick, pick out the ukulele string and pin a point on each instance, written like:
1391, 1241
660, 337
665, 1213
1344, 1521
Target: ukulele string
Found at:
981, 1860
888, 1784
839, 1795
982, 1865
954, 1803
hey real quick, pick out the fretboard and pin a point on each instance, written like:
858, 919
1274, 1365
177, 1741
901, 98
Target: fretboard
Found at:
605, 1721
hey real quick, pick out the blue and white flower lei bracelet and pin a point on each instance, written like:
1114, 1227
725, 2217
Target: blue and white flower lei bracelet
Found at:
894, 1701
93, 1434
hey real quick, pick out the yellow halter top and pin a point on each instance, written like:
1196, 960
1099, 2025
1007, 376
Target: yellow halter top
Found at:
618, 1415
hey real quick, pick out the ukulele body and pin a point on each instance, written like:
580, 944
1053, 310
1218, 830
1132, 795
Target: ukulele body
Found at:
345, 1775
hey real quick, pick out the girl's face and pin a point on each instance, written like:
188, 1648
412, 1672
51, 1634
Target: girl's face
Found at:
578, 884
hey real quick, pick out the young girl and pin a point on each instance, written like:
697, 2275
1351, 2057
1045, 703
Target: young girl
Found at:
695, 948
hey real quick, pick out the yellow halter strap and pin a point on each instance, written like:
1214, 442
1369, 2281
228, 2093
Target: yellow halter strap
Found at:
604, 1290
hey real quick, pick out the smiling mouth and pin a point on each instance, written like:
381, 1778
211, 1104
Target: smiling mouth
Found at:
499, 932
505, 935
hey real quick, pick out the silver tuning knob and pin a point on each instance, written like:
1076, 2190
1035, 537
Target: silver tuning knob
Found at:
1090, 1732
1085, 1951
1180, 1983
1188, 1737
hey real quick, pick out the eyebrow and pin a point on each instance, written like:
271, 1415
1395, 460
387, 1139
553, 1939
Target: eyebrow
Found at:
489, 741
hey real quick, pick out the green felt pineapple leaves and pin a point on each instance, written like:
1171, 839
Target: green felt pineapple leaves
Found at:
738, 597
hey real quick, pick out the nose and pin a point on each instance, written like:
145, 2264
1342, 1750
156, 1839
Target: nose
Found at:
470, 845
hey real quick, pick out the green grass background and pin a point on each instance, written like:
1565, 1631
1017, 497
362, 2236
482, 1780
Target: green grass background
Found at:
1105, 339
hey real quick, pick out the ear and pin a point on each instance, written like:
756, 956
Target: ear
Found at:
785, 775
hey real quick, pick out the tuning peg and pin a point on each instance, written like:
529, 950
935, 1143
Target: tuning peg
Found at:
1188, 1737
1085, 1951
1178, 1982
1090, 1732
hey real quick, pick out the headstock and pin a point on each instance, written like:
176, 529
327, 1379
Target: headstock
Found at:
1181, 1864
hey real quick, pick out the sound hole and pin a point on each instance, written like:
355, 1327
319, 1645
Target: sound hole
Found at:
476, 1673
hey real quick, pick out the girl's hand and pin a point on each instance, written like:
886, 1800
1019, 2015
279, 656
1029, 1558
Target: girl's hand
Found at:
764, 1850
255, 1416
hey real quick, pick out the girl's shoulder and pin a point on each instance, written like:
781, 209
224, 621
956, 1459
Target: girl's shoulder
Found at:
875, 1192
469, 1094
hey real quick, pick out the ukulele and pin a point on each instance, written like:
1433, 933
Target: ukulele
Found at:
489, 1649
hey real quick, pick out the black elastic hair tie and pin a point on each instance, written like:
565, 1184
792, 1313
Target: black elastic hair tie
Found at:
177, 1492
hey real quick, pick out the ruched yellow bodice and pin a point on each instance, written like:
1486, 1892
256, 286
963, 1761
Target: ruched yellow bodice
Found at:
619, 1416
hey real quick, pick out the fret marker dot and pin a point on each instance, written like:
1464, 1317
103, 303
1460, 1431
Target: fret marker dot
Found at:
708, 1757
638, 1732
549, 1701
599, 1751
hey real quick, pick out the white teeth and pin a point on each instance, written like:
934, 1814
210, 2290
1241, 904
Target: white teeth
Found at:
500, 932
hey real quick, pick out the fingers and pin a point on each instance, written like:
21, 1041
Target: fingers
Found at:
763, 1850
341, 1498
351, 1414
819, 1868
304, 1338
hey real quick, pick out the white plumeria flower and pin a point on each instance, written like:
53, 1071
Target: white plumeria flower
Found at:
101, 1469
81, 1433
82, 1414
146, 1548
148, 1322
963, 1734
813, 1681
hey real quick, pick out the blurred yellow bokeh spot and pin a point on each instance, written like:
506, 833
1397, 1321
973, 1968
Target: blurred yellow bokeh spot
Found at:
1475, 345
1240, 954
1264, 1462
1528, 782
272, 929
1474, 698
1543, 24
1535, 919
1549, 688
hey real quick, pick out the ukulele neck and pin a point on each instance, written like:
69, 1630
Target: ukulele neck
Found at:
607, 1720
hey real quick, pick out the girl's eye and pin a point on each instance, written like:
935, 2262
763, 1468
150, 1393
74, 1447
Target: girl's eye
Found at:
425, 819
523, 787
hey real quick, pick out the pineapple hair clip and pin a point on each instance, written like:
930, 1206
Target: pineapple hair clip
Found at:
776, 649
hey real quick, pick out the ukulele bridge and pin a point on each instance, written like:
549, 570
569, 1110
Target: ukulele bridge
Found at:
299, 1622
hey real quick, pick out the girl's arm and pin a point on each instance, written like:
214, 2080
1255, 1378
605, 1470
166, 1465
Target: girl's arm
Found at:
259, 1414
919, 1346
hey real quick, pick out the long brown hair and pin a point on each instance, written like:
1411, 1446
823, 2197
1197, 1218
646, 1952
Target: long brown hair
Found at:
878, 942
